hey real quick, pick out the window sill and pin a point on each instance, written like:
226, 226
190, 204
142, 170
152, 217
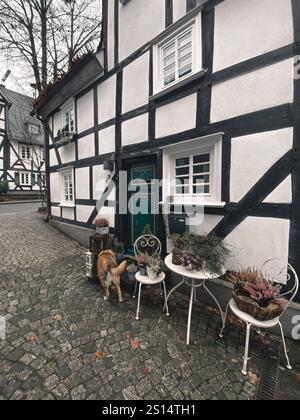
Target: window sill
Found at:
215, 205
67, 205
178, 85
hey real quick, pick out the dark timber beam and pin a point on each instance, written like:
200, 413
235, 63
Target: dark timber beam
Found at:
294, 244
264, 187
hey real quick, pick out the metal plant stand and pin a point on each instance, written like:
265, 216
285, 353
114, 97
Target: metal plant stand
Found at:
195, 280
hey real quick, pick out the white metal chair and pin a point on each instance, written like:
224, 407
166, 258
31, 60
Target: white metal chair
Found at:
282, 274
150, 245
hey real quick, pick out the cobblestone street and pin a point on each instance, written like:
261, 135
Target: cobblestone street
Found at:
64, 342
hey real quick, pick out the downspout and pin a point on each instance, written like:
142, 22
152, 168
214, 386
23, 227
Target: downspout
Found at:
47, 165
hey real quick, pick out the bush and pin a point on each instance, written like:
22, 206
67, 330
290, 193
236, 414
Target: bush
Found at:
4, 187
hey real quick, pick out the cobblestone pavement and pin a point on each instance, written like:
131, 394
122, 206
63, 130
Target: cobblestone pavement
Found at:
65, 342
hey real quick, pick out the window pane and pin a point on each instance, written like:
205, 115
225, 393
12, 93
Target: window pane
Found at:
169, 60
185, 189
183, 171
201, 179
184, 39
182, 181
200, 169
185, 50
185, 70
169, 79
202, 158
168, 50
182, 162
201, 189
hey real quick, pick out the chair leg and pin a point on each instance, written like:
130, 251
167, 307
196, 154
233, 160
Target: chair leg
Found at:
135, 287
224, 321
139, 303
244, 371
289, 367
190, 317
166, 301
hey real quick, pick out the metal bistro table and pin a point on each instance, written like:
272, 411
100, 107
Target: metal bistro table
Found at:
195, 280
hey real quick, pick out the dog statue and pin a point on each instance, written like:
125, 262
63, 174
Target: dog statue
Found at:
110, 273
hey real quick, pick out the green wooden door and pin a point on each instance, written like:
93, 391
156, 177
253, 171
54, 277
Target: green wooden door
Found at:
140, 214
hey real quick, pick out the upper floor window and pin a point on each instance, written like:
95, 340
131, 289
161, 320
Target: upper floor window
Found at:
25, 179
179, 56
25, 151
69, 119
33, 129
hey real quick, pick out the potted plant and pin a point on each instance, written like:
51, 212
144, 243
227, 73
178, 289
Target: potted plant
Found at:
256, 295
102, 225
154, 267
132, 269
197, 252
142, 261
120, 252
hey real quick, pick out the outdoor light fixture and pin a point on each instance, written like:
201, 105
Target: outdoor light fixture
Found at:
109, 165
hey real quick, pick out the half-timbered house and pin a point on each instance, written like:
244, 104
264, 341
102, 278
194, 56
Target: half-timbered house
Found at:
185, 89
22, 151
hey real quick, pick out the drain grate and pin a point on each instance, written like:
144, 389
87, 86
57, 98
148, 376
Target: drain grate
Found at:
269, 381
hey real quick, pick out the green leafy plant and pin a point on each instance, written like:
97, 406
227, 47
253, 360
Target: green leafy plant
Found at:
120, 248
4, 187
147, 230
200, 251
155, 264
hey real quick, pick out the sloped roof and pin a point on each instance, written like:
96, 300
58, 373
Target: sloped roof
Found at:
19, 109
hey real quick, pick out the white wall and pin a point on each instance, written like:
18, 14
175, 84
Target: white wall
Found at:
85, 112
82, 183
67, 153
140, 22
254, 91
107, 100
68, 213
53, 158
247, 28
83, 213
86, 147
135, 130
177, 116
111, 33
258, 239
136, 83
55, 211
251, 158
179, 9
57, 123
107, 140
55, 187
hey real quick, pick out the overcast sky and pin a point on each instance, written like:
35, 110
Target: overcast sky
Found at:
18, 79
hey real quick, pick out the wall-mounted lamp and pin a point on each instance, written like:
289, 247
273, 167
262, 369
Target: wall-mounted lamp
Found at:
109, 165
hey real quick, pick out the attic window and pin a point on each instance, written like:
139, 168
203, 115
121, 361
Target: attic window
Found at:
33, 129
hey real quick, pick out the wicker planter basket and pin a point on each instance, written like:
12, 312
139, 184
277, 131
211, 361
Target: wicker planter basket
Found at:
247, 305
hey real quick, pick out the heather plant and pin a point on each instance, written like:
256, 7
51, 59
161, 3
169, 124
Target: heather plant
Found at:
253, 283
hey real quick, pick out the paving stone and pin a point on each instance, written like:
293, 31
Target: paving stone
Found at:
65, 342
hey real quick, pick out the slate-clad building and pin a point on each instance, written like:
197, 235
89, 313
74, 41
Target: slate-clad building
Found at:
200, 92
22, 151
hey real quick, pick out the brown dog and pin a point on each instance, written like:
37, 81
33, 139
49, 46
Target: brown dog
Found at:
109, 272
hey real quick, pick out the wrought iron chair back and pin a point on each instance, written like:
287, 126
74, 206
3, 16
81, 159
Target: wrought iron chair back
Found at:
147, 244
282, 273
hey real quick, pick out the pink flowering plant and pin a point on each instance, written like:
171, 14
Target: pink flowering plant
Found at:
253, 284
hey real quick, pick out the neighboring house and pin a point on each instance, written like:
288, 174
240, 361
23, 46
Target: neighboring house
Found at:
22, 160
185, 90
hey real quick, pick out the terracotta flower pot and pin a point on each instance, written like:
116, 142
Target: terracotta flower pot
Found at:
249, 306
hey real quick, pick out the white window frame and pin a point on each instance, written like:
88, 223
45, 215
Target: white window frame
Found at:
28, 151
70, 105
64, 202
195, 25
34, 126
206, 145
25, 174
